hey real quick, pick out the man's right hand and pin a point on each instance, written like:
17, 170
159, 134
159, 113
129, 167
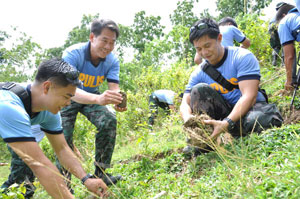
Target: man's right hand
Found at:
96, 186
288, 86
110, 97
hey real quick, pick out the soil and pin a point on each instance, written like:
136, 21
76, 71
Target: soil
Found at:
123, 104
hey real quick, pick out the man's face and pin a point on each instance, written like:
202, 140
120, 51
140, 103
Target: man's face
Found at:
103, 44
209, 49
58, 96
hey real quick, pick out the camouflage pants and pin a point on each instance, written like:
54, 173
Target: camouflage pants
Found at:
154, 103
261, 116
20, 173
104, 118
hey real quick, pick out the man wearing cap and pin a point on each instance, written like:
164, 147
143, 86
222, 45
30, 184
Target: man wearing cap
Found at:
288, 29
96, 63
274, 37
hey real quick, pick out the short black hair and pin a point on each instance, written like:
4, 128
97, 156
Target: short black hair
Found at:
99, 24
204, 27
57, 71
284, 9
226, 20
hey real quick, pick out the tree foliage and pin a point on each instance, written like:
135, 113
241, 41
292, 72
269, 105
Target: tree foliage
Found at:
232, 8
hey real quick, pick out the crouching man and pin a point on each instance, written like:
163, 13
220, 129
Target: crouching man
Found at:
239, 109
52, 89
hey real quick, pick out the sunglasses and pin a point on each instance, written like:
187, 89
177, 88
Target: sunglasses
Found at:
201, 26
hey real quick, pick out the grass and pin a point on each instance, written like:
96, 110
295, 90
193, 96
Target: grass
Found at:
151, 161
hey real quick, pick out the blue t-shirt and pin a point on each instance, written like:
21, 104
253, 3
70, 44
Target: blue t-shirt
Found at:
297, 2
165, 96
287, 25
92, 76
15, 123
37, 132
238, 64
231, 33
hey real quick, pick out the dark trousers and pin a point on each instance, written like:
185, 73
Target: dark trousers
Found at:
20, 173
261, 116
154, 103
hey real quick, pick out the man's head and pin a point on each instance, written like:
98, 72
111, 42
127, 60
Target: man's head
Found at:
279, 5
58, 81
282, 11
227, 21
104, 33
206, 38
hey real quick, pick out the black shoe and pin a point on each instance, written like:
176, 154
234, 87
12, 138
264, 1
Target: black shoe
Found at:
108, 179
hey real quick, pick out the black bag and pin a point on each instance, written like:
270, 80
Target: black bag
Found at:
218, 77
20, 92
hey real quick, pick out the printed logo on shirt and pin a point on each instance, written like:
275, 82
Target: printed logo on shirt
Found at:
89, 80
221, 89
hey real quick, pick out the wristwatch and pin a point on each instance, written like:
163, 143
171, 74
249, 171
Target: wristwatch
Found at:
86, 177
230, 122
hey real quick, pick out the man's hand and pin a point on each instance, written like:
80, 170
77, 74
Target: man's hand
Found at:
219, 127
96, 186
110, 97
288, 86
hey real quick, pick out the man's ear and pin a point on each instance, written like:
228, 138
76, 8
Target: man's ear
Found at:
219, 39
92, 36
46, 86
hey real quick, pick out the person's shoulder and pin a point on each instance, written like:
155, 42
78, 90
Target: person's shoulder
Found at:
111, 58
78, 46
238, 52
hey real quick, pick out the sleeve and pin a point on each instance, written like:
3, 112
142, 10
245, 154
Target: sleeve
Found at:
194, 79
52, 124
285, 35
248, 67
72, 57
238, 35
114, 70
15, 126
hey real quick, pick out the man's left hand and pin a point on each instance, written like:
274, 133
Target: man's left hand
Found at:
219, 127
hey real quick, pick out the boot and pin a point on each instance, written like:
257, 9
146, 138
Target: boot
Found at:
107, 178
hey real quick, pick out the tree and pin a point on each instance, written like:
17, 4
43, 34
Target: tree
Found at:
18, 62
232, 8
145, 29
183, 14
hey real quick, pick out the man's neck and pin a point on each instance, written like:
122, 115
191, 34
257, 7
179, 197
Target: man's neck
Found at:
36, 98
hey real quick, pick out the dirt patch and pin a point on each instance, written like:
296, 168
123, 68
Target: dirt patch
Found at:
292, 117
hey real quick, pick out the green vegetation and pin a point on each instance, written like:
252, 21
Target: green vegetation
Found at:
151, 159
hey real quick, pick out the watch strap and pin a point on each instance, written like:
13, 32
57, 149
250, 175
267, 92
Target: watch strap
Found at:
230, 122
86, 177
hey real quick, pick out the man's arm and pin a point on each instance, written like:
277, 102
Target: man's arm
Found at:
185, 109
249, 90
42, 168
246, 43
70, 162
289, 57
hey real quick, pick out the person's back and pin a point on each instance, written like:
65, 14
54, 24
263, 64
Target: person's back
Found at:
230, 34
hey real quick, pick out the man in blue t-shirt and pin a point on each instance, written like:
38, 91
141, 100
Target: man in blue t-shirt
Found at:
288, 29
52, 89
160, 98
230, 33
96, 63
229, 109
